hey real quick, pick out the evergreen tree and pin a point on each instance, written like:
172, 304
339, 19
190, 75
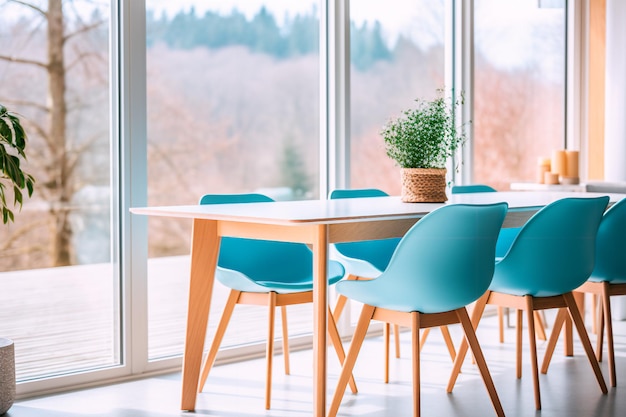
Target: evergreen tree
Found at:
261, 34
292, 169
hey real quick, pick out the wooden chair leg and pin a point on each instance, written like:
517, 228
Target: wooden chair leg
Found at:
336, 341
269, 351
554, 337
353, 352
540, 326
341, 299
472, 340
283, 315
600, 332
606, 304
479, 308
424, 336
448, 339
594, 314
415, 345
518, 345
501, 323
340, 305
386, 355
584, 338
568, 346
530, 313
219, 335
396, 339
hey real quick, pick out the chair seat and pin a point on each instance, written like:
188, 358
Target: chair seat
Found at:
519, 289
378, 294
506, 280
241, 282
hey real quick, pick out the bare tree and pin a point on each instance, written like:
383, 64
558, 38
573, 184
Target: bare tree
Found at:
57, 160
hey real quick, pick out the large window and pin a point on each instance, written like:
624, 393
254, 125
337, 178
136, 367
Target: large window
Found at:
397, 55
519, 100
59, 289
233, 106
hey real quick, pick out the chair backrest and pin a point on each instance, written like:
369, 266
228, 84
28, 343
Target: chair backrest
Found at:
611, 245
445, 261
472, 188
376, 252
357, 193
260, 260
554, 252
506, 234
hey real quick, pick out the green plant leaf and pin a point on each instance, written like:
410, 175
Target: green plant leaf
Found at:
13, 142
425, 136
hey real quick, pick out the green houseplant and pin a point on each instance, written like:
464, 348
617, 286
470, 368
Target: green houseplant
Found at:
420, 142
13, 179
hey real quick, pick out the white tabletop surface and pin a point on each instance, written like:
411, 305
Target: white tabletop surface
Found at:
352, 209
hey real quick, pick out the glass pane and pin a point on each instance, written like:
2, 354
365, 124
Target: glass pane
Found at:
58, 287
519, 102
397, 55
233, 106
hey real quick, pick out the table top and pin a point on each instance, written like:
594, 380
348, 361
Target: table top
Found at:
532, 186
352, 209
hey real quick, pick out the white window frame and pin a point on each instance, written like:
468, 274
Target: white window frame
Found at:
129, 127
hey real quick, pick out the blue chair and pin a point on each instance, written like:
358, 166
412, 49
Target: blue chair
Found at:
608, 278
366, 260
270, 273
472, 188
552, 255
505, 238
442, 264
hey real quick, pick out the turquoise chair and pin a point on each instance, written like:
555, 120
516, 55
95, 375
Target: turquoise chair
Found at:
367, 260
270, 273
505, 238
552, 255
608, 278
442, 264
472, 188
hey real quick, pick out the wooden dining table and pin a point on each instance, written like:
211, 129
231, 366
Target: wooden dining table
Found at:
316, 223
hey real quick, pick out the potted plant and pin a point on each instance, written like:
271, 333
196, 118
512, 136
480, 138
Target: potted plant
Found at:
13, 180
421, 141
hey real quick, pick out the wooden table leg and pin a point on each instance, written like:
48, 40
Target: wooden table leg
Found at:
204, 251
320, 308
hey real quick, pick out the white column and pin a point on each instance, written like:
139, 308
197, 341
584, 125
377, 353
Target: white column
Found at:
615, 105
615, 101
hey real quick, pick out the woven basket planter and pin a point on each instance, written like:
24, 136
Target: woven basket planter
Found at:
424, 185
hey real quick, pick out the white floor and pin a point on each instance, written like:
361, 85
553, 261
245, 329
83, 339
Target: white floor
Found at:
236, 390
